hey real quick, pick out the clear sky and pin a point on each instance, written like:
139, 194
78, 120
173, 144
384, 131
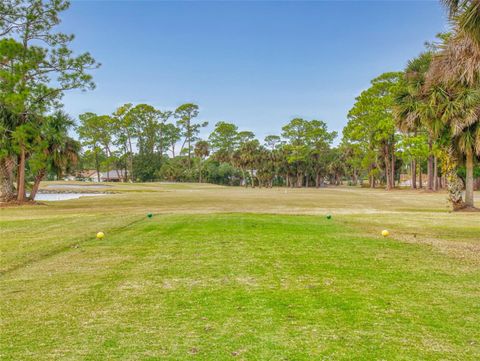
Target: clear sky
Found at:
254, 63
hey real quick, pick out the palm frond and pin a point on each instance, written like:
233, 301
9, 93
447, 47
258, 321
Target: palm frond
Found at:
458, 61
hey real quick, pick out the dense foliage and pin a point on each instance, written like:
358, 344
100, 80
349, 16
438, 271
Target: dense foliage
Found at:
149, 144
422, 120
36, 67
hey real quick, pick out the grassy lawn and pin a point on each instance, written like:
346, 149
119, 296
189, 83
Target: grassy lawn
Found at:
227, 273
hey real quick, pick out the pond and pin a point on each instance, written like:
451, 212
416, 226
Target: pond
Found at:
52, 197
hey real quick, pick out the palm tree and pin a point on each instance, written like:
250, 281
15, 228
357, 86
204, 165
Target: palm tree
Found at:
462, 117
456, 69
60, 152
408, 109
457, 66
201, 151
416, 110
457, 61
467, 14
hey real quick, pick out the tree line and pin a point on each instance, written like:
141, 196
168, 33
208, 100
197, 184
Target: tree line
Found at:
421, 120
149, 144
425, 119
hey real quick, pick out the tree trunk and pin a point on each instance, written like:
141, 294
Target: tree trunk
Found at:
435, 173
97, 167
387, 168
430, 164
21, 196
317, 180
130, 160
299, 180
189, 147
469, 180
420, 179
36, 184
413, 167
392, 168
7, 190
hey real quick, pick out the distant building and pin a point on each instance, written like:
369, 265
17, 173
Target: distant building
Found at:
86, 175
112, 176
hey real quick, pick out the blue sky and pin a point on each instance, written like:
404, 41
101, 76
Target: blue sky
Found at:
254, 63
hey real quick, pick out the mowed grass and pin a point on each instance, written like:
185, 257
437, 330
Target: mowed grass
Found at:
226, 273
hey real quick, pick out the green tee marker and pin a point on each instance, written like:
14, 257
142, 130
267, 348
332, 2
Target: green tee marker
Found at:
149, 215
329, 216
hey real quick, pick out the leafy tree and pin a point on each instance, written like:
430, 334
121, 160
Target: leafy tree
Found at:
221, 172
174, 169
163, 140
170, 136
224, 137
353, 156
223, 141
186, 114
40, 67
91, 138
307, 143
124, 126
245, 136
97, 133
319, 140
371, 125
415, 151
272, 141
146, 166
297, 150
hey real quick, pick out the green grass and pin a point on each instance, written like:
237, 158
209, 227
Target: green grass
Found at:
224, 274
